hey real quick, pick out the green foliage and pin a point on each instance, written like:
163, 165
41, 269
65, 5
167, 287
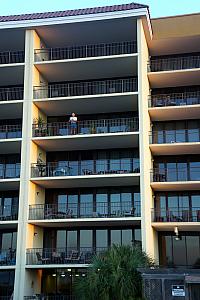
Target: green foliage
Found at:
114, 276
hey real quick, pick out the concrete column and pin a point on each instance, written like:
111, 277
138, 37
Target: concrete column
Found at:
20, 281
149, 236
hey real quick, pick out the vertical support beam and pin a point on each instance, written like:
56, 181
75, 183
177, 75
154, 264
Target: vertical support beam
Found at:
149, 236
25, 167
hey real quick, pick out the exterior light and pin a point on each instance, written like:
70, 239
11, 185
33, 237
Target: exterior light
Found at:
54, 275
69, 270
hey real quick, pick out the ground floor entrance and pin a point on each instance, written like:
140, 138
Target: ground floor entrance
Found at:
194, 291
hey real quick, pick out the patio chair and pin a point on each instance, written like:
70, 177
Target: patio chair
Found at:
42, 260
74, 257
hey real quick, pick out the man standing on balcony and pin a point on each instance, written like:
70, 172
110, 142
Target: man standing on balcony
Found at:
73, 123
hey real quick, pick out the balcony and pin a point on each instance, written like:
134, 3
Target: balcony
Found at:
86, 88
61, 256
176, 178
86, 173
100, 61
174, 70
85, 51
73, 212
8, 213
7, 257
9, 176
176, 215
108, 133
11, 93
175, 142
174, 106
87, 96
11, 57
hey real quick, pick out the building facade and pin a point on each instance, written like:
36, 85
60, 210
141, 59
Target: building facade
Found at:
127, 172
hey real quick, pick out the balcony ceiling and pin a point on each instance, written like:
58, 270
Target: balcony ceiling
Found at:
88, 181
12, 39
9, 184
175, 148
10, 146
88, 33
97, 222
89, 68
11, 110
89, 104
174, 112
89, 141
12, 74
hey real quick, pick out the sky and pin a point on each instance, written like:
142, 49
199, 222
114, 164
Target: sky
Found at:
158, 8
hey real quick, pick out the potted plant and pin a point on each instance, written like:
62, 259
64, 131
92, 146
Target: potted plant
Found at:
39, 126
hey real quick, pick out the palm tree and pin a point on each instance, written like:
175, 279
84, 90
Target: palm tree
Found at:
113, 275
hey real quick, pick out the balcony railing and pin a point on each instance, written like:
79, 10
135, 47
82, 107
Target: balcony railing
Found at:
7, 257
176, 174
84, 210
8, 212
175, 136
11, 93
51, 297
11, 57
174, 63
84, 88
85, 168
176, 215
10, 171
175, 99
85, 51
46, 256
86, 127
10, 131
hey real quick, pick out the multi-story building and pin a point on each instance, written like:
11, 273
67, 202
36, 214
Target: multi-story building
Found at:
128, 172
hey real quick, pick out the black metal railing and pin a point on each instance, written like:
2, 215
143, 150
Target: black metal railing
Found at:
85, 168
10, 171
11, 57
84, 88
84, 210
86, 127
7, 257
73, 52
171, 174
48, 256
175, 136
176, 214
174, 99
11, 93
10, 131
174, 63
8, 212
50, 297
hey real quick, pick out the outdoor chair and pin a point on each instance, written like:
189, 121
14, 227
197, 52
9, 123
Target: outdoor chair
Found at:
42, 260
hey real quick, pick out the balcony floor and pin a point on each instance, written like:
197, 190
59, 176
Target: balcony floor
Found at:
175, 148
176, 186
88, 181
87, 68
168, 113
174, 78
89, 104
88, 141
84, 222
